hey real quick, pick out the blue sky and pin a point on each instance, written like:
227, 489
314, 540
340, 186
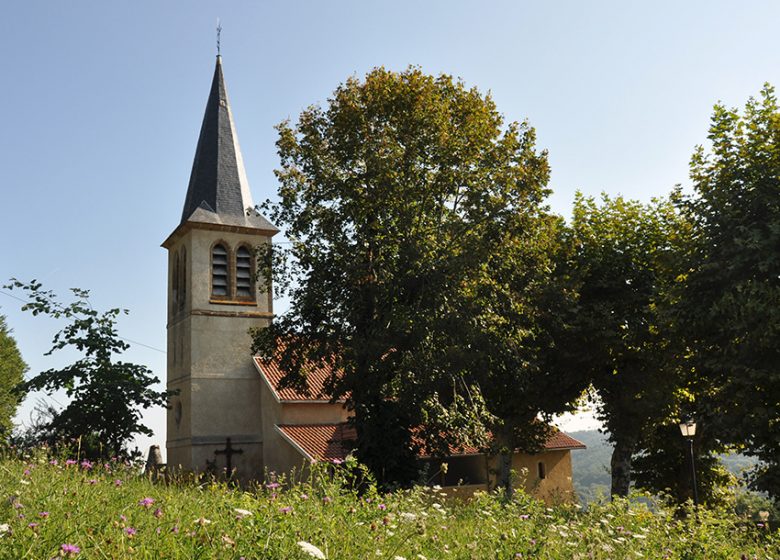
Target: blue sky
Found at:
102, 104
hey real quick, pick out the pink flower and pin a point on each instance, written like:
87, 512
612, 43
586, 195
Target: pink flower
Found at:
18, 505
86, 464
68, 463
336, 461
122, 518
158, 513
70, 549
92, 482
525, 516
146, 502
382, 507
130, 531
26, 472
43, 514
175, 529
304, 496
287, 509
117, 482
327, 499
54, 462
272, 485
32, 526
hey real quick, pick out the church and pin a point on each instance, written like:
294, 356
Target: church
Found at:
229, 411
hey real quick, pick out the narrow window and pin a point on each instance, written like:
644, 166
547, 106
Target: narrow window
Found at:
183, 285
219, 271
244, 273
542, 471
175, 283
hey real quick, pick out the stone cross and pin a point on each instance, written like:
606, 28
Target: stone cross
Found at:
228, 452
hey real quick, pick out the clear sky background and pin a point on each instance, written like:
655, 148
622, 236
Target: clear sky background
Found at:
102, 104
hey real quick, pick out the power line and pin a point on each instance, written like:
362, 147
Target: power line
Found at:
119, 337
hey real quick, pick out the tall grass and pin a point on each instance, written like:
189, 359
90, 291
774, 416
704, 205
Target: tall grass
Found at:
81, 510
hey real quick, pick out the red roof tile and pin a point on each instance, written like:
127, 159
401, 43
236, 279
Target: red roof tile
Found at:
327, 441
323, 442
315, 378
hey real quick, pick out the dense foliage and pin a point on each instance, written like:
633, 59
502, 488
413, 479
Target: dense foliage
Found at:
79, 509
106, 395
626, 259
729, 312
12, 368
421, 267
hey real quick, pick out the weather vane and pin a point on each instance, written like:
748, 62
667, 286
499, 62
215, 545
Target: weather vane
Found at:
219, 33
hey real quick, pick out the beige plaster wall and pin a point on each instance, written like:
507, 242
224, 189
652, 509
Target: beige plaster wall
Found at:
210, 364
312, 413
556, 487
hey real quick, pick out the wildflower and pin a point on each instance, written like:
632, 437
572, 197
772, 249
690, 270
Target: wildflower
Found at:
26, 472
122, 518
408, 516
336, 461
304, 496
285, 510
327, 499
70, 462
32, 526
242, 512
311, 550
54, 462
525, 516
25, 482
175, 529
201, 521
383, 507
146, 502
158, 513
86, 464
227, 541
130, 531
272, 485
43, 514
93, 482
69, 549
5, 528
398, 558
117, 482
18, 505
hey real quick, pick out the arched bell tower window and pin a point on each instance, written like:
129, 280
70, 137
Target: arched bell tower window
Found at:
244, 283
220, 279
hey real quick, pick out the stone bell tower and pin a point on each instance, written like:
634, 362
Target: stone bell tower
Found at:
214, 298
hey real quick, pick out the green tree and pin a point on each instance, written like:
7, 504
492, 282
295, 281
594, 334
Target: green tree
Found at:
626, 256
106, 395
730, 311
12, 368
411, 208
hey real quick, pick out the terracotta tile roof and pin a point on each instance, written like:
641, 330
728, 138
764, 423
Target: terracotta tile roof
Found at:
323, 442
315, 376
327, 441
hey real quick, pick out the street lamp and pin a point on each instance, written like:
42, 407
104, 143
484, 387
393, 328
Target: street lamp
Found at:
688, 430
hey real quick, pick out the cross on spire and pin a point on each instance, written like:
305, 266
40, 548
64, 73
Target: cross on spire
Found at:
219, 35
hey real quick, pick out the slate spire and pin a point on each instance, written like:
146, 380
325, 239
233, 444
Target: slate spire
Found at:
219, 191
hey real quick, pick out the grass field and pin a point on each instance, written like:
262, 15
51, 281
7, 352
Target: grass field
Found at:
72, 509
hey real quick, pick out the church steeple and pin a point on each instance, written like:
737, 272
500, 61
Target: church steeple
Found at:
218, 191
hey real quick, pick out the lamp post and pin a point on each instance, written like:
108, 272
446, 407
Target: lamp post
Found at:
688, 430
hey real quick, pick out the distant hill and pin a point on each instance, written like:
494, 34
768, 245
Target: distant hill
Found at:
591, 466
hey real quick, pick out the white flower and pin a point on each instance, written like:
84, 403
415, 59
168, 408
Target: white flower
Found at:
408, 516
201, 521
242, 512
398, 558
5, 528
25, 482
311, 550
639, 536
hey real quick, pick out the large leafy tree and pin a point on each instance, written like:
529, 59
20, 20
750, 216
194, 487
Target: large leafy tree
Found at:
106, 395
413, 213
626, 257
12, 368
730, 311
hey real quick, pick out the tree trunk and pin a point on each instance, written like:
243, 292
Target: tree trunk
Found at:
621, 467
505, 447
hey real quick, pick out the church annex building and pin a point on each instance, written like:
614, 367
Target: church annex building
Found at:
230, 411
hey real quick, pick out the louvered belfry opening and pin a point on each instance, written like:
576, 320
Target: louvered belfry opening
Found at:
220, 286
244, 273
